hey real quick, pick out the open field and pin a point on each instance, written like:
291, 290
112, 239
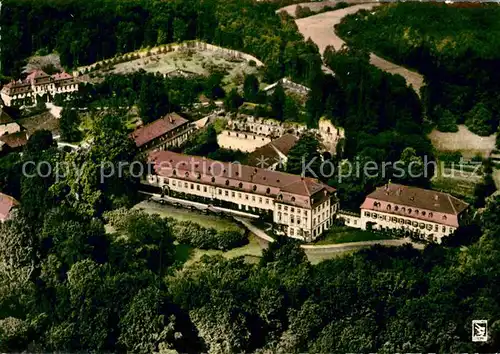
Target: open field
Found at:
343, 234
182, 214
320, 28
317, 5
468, 143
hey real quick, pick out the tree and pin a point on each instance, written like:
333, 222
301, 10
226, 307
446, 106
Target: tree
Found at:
447, 122
304, 157
277, 101
153, 101
213, 88
144, 327
69, 125
410, 167
233, 101
291, 110
39, 141
479, 120
251, 87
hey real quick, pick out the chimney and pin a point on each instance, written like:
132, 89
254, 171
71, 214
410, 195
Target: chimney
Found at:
170, 118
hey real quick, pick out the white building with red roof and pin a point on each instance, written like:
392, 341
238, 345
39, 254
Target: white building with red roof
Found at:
171, 130
37, 84
412, 210
301, 207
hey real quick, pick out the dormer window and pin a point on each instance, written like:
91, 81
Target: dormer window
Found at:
396, 208
293, 199
174, 172
403, 209
227, 182
388, 207
280, 197
198, 176
268, 190
416, 212
240, 185
444, 217
254, 188
213, 179
186, 174
409, 210
423, 213
431, 215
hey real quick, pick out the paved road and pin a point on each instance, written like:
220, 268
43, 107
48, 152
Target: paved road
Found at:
320, 28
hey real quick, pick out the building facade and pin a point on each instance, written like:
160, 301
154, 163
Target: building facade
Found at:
299, 207
413, 211
169, 131
29, 91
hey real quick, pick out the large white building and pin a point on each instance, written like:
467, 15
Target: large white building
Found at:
299, 207
37, 84
411, 211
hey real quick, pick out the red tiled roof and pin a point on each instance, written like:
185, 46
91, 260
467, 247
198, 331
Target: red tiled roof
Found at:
420, 198
268, 152
36, 75
15, 140
5, 118
62, 76
6, 205
157, 128
294, 189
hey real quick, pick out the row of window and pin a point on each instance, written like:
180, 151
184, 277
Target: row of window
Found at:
293, 219
408, 222
292, 209
407, 210
198, 187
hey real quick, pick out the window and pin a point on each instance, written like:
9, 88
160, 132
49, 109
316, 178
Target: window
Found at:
227, 182
240, 185
367, 213
396, 208
403, 209
233, 194
279, 206
174, 172
291, 231
226, 193
213, 179
185, 185
444, 217
260, 200
421, 225
408, 222
374, 215
246, 196
409, 210
292, 219
253, 198
254, 188
305, 212
416, 212
292, 210
186, 174
286, 208
431, 215
268, 190
388, 207
293, 199
198, 187
204, 189
220, 191
314, 221
436, 228
267, 201
279, 215
280, 197
429, 227
298, 221
444, 228
173, 183
423, 213
192, 186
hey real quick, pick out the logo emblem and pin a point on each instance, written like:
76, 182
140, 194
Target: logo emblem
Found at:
479, 330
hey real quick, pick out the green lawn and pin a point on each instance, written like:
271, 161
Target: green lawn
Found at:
344, 234
182, 214
189, 255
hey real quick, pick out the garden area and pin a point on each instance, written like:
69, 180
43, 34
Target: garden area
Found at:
345, 234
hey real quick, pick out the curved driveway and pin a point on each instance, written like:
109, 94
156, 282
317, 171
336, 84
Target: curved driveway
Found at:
320, 28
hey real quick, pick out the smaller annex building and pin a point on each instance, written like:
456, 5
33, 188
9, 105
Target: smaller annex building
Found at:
412, 210
169, 131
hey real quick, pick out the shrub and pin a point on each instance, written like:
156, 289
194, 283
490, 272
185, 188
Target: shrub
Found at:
195, 235
447, 122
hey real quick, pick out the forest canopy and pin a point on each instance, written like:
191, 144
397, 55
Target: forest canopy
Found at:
456, 48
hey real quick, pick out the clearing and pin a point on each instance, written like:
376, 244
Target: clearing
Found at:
468, 143
316, 6
320, 28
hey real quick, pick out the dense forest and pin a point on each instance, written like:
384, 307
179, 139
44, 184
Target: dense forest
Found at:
456, 48
83, 32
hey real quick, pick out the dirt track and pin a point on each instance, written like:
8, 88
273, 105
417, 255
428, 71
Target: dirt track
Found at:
320, 28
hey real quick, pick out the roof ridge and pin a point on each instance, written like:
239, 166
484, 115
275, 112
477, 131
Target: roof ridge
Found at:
451, 202
307, 188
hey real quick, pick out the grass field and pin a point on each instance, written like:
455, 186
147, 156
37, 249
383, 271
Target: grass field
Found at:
344, 234
182, 214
